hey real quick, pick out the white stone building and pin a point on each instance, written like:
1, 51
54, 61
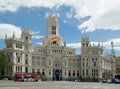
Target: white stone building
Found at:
53, 59
19, 53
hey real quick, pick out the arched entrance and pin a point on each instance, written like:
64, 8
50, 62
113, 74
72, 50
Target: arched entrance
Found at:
57, 72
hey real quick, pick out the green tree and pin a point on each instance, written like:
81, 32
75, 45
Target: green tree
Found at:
87, 78
3, 62
80, 77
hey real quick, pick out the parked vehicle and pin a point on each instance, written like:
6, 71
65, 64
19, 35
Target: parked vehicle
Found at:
104, 81
26, 77
108, 80
116, 80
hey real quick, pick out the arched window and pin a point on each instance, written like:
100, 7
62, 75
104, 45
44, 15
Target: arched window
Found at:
73, 72
94, 63
18, 59
86, 44
86, 71
83, 72
83, 44
69, 73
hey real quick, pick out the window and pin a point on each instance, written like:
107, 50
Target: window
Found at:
53, 27
65, 73
83, 72
69, 73
87, 64
26, 39
54, 42
18, 60
83, 59
33, 62
94, 63
26, 70
38, 62
83, 45
26, 59
77, 73
19, 46
33, 70
95, 52
86, 71
21, 69
73, 72
9, 45
86, 44
83, 64
53, 30
16, 69
43, 61
38, 71
49, 72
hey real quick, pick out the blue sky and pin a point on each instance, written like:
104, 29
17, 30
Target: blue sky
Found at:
97, 19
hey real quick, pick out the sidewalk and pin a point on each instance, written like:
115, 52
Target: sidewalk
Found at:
6, 81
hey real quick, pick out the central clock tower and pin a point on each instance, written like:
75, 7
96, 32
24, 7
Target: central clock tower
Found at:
52, 37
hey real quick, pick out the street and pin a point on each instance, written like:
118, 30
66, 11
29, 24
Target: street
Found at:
56, 85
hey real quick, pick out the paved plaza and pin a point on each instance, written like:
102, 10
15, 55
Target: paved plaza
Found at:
56, 85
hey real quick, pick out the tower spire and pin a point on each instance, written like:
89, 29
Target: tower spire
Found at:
13, 34
112, 51
6, 36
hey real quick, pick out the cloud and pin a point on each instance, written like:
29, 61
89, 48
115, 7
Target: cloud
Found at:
105, 45
53, 14
39, 43
116, 44
109, 20
7, 5
69, 15
9, 29
105, 14
36, 35
74, 45
65, 21
35, 32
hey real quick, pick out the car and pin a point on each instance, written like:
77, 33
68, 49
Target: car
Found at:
104, 81
109, 81
77, 80
116, 80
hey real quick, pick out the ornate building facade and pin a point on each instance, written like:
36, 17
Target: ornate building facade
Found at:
19, 53
117, 66
54, 59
